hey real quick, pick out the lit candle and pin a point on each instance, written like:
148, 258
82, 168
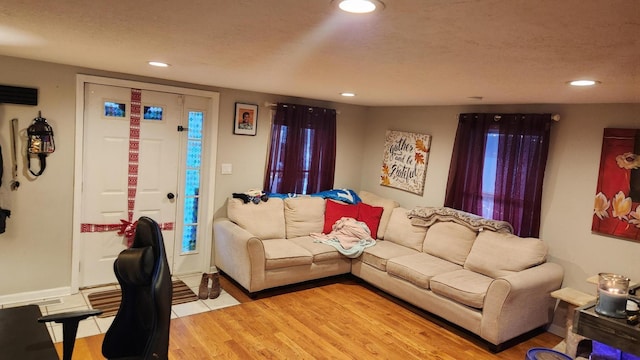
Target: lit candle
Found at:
612, 302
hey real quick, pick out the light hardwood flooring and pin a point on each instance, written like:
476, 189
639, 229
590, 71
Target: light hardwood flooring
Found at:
337, 319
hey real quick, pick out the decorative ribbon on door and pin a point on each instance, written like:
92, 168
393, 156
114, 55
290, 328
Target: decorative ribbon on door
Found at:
127, 226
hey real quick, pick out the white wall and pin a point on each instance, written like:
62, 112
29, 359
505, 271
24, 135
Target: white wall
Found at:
35, 250
570, 177
248, 154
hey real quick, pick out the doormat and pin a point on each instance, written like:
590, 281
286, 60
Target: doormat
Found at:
109, 301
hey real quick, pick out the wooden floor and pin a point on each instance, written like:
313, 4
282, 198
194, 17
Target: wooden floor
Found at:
338, 319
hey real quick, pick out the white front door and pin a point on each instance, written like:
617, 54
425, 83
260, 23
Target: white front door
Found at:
129, 170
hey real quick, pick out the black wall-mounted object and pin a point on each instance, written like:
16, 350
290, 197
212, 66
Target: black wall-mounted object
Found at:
18, 95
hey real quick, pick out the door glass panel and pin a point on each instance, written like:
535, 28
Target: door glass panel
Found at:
114, 109
189, 238
192, 181
195, 125
193, 154
153, 112
191, 210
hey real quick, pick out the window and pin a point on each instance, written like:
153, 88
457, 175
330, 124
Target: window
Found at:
192, 181
497, 168
302, 151
489, 174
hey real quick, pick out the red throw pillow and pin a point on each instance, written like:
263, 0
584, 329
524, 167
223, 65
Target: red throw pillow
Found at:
370, 215
335, 211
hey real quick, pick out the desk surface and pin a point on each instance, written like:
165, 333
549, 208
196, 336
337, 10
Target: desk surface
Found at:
607, 330
23, 337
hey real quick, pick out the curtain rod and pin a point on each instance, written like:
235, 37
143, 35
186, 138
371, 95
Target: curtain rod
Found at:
271, 105
554, 117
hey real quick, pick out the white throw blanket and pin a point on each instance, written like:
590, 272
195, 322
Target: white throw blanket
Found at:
349, 236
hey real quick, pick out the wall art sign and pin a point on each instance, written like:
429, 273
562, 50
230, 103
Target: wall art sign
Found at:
246, 119
616, 209
404, 165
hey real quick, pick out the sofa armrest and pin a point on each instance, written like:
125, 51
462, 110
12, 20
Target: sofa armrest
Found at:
520, 302
239, 254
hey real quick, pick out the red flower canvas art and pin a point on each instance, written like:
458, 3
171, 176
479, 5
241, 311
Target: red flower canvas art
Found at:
616, 208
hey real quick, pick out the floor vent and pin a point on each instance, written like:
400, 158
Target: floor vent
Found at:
48, 302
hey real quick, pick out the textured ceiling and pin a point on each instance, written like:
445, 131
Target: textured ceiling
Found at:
414, 52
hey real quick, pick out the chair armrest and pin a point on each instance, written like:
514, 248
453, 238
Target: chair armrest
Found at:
520, 302
61, 318
69, 321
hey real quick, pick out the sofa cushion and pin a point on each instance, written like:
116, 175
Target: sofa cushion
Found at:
387, 204
400, 231
378, 255
449, 241
303, 215
370, 215
320, 251
498, 254
264, 220
419, 268
280, 253
464, 286
335, 211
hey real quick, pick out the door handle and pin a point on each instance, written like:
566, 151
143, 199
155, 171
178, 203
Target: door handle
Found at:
170, 196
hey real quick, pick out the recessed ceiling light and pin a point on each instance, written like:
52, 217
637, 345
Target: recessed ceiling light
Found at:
158, 64
360, 6
347, 94
583, 82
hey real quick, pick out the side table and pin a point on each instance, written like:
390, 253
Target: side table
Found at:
573, 299
611, 331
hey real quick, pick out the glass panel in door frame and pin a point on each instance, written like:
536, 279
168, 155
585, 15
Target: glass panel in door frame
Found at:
191, 180
190, 250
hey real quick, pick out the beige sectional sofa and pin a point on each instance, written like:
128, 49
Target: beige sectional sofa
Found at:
486, 280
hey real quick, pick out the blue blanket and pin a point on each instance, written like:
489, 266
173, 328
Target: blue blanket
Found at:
346, 195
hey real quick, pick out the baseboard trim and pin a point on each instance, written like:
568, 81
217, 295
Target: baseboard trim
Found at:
31, 297
557, 330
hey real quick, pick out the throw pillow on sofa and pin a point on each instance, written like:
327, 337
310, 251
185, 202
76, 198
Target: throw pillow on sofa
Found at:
335, 211
370, 215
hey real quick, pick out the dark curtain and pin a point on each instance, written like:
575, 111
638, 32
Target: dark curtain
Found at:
464, 186
523, 145
302, 152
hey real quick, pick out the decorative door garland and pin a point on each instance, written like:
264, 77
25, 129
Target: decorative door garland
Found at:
127, 226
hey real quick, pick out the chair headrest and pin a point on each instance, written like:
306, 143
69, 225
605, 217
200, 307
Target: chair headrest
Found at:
135, 265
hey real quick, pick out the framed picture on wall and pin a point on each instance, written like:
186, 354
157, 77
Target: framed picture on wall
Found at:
616, 209
246, 119
404, 164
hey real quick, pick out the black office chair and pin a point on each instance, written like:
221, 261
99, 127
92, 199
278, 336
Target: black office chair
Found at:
140, 329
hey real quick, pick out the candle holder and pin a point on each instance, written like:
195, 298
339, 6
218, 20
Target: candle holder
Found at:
612, 295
